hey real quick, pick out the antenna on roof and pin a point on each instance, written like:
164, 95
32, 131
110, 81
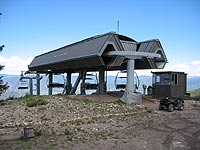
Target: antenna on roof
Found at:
117, 26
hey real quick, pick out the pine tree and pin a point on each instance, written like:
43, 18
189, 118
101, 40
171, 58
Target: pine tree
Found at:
3, 86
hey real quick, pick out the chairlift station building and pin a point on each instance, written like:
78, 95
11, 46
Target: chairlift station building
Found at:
106, 52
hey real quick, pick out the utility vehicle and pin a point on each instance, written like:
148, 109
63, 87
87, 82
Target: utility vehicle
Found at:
170, 103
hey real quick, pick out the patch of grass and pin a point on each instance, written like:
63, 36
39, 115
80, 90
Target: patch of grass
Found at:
78, 129
148, 110
78, 122
119, 102
91, 121
38, 132
70, 136
54, 144
41, 109
2, 103
10, 98
71, 109
99, 135
195, 93
63, 124
34, 103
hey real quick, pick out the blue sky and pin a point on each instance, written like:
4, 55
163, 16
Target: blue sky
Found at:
32, 27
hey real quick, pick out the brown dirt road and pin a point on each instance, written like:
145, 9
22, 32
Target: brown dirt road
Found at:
148, 129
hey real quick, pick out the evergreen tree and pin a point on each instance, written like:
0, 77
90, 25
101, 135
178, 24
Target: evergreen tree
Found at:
3, 86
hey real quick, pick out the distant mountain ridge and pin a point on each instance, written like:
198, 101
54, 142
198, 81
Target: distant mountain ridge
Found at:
193, 83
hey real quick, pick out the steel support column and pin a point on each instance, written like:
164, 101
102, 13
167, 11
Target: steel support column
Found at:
31, 86
83, 83
69, 83
73, 90
101, 81
38, 83
130, 76
50, 82
129, 96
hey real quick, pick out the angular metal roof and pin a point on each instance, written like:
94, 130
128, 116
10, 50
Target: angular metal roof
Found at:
90, 54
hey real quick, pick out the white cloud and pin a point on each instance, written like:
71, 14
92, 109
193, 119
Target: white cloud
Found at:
144, 72
191, 68
14, 65
196, 65
196, 62
178, 66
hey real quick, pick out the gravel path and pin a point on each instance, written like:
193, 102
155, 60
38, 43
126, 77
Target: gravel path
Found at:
80, 125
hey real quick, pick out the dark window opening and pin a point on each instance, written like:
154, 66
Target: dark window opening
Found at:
166, 80
175, 78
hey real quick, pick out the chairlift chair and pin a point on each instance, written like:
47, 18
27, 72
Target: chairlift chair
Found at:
56, 84
23, 85
91, 82
120, 81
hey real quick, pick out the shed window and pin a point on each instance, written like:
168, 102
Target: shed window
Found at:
175, 78
157, 79
166, 80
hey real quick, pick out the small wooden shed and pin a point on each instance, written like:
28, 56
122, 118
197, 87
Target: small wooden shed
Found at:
169, 83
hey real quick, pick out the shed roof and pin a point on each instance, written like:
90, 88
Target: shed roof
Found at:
167, 72
89, 54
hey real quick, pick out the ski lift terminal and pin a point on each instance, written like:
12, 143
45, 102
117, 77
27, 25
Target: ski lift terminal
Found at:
101, 53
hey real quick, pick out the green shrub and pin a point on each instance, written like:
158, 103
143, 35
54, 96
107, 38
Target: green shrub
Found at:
119, 102
38, 132
69, 135
10, 98
195, 93
78, 129
148, 110
33, 103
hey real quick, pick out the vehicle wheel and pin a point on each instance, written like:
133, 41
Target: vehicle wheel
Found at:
160, 107
180, 106
170, 107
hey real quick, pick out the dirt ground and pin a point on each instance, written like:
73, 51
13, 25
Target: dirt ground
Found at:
129, 127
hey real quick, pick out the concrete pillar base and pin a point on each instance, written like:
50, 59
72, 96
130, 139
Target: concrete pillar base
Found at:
131, 98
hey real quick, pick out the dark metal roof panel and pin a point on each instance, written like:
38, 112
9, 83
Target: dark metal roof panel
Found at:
129, 46
153, 46
70, 66
89, 54
86, 48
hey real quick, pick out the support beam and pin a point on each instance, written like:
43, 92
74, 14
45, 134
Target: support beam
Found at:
50, 82
101, 82
83, 83
129, 96
38, 83
130, 76
31, 86
133, 54
69, 83
73, 90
